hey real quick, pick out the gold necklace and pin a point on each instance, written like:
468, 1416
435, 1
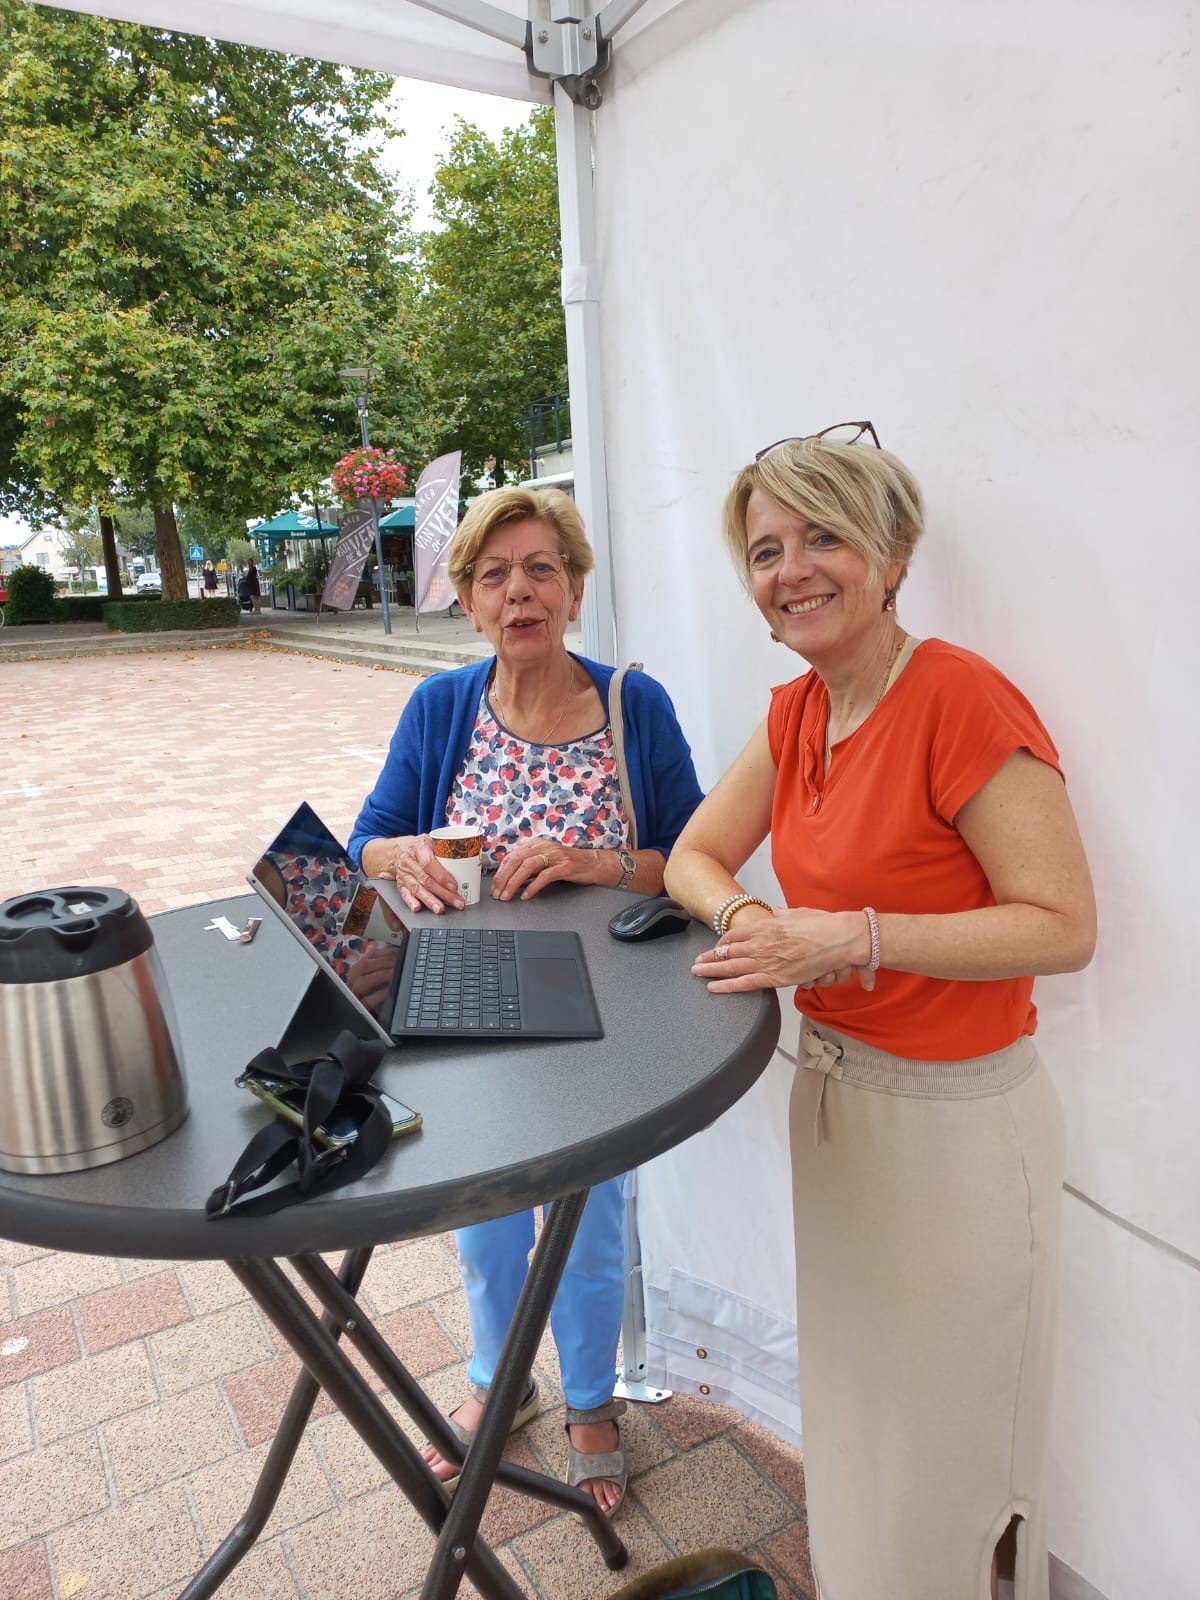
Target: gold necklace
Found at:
887, 684
562, 710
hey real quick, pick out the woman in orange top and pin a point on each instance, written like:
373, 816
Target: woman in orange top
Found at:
931, 867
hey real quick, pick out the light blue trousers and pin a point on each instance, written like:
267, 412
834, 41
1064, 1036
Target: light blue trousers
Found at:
586, 1315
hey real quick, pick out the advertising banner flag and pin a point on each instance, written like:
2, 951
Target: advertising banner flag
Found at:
437, 518
349, 556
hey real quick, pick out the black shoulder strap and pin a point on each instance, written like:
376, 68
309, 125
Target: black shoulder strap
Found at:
340, 1079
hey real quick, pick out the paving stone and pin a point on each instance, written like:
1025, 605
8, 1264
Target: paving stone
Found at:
790, 1553
259, 1394
210, 1286
93, 1390
50, 1488
29, 1345
409, 1274
567, 1565
132, 1310
25, 1573
13, 1254
208, 1348
222, 1492
169, 1439
688, 1419
782, 1463
261, 1574
128, 1553
51, 1280
712, 1496
377, 1546
16, 1429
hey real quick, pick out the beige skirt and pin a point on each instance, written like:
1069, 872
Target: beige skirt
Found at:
927, 1202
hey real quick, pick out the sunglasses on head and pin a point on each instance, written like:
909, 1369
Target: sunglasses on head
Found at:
839, 433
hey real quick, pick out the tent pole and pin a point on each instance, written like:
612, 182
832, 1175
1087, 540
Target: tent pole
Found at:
581, 307
631, 1374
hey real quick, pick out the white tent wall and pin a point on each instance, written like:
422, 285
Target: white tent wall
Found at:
975, 225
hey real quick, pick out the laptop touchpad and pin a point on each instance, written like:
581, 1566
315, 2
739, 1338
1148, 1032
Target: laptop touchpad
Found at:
551, 987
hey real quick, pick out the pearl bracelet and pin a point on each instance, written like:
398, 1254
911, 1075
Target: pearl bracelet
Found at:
873, 924
728, 909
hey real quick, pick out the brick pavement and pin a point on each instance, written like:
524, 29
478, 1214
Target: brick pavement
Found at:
136, 1397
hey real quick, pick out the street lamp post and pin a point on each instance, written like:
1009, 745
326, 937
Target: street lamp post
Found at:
361, 376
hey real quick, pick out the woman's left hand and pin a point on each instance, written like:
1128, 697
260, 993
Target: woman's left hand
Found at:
811, 949
530, 867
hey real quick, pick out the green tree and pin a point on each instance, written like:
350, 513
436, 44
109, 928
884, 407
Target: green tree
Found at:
493, 335
81, 549
196, 236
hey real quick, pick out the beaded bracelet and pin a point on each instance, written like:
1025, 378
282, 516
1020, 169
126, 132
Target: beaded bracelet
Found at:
873, 924
728, 909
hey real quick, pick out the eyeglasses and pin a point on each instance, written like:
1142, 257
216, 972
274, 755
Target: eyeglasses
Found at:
840, 433
542, 566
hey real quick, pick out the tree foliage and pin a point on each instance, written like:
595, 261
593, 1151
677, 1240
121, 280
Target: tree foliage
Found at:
196, 235
492, 331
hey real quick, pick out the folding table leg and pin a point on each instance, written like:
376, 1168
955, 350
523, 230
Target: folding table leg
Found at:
319, 1351
366, 1338
280, 1456
504, 1396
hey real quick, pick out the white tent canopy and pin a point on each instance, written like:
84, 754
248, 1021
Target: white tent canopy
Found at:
976, 225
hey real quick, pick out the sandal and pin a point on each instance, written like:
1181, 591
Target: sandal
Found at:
526, 1411
585, 1465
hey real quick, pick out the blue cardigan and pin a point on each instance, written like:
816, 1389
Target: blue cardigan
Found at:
430, 743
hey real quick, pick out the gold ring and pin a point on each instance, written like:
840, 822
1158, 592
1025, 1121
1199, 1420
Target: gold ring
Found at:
544, 858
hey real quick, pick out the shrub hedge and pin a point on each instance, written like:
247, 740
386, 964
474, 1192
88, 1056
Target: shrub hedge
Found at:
132, 616
30, 595
79, 608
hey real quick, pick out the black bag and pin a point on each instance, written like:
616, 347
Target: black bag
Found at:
339, 1080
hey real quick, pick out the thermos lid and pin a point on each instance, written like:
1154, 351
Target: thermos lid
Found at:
69, 933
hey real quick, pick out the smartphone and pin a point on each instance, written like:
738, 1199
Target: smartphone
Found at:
288, 1101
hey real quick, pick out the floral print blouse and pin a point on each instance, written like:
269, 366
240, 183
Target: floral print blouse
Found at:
516, 790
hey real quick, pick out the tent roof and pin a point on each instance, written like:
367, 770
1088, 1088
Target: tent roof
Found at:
291, 525
403, 39
404, 517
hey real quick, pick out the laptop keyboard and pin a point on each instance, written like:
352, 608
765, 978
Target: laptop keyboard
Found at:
465, 980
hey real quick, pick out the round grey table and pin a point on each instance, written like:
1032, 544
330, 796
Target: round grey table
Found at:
506, 1125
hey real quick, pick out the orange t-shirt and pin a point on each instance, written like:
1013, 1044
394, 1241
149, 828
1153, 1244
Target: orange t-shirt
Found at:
878, 830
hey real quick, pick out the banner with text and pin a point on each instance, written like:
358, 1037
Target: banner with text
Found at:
437, 518
349, 555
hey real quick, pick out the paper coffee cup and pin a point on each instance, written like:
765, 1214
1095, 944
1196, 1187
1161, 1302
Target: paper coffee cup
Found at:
461, 852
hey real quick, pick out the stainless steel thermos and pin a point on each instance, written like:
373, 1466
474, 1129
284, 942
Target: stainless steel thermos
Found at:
89, 1048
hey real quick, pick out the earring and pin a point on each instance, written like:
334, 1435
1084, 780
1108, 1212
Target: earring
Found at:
889, 600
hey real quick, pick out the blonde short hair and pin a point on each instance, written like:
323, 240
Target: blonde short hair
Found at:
868, 497
495, 507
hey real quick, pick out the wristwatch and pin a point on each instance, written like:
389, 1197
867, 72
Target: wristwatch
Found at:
628, 868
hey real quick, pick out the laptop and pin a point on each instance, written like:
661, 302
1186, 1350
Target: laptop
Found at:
440, 981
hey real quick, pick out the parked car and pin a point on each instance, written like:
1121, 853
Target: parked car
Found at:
149, 582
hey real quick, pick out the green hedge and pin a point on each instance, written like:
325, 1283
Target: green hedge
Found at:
132, 616
79, 608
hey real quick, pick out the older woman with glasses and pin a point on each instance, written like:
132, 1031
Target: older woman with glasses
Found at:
522, 746
931, 868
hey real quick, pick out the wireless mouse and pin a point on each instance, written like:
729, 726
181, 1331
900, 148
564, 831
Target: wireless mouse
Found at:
649, 919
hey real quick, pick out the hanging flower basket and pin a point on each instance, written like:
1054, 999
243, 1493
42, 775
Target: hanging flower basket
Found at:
369, 474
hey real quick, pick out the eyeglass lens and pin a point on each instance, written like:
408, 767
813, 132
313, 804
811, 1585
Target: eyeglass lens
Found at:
839, 433
540, 566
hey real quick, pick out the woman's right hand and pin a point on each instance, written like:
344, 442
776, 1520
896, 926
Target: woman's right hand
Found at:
423, 881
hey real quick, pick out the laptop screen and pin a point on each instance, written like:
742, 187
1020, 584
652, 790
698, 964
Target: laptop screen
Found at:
328, 901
